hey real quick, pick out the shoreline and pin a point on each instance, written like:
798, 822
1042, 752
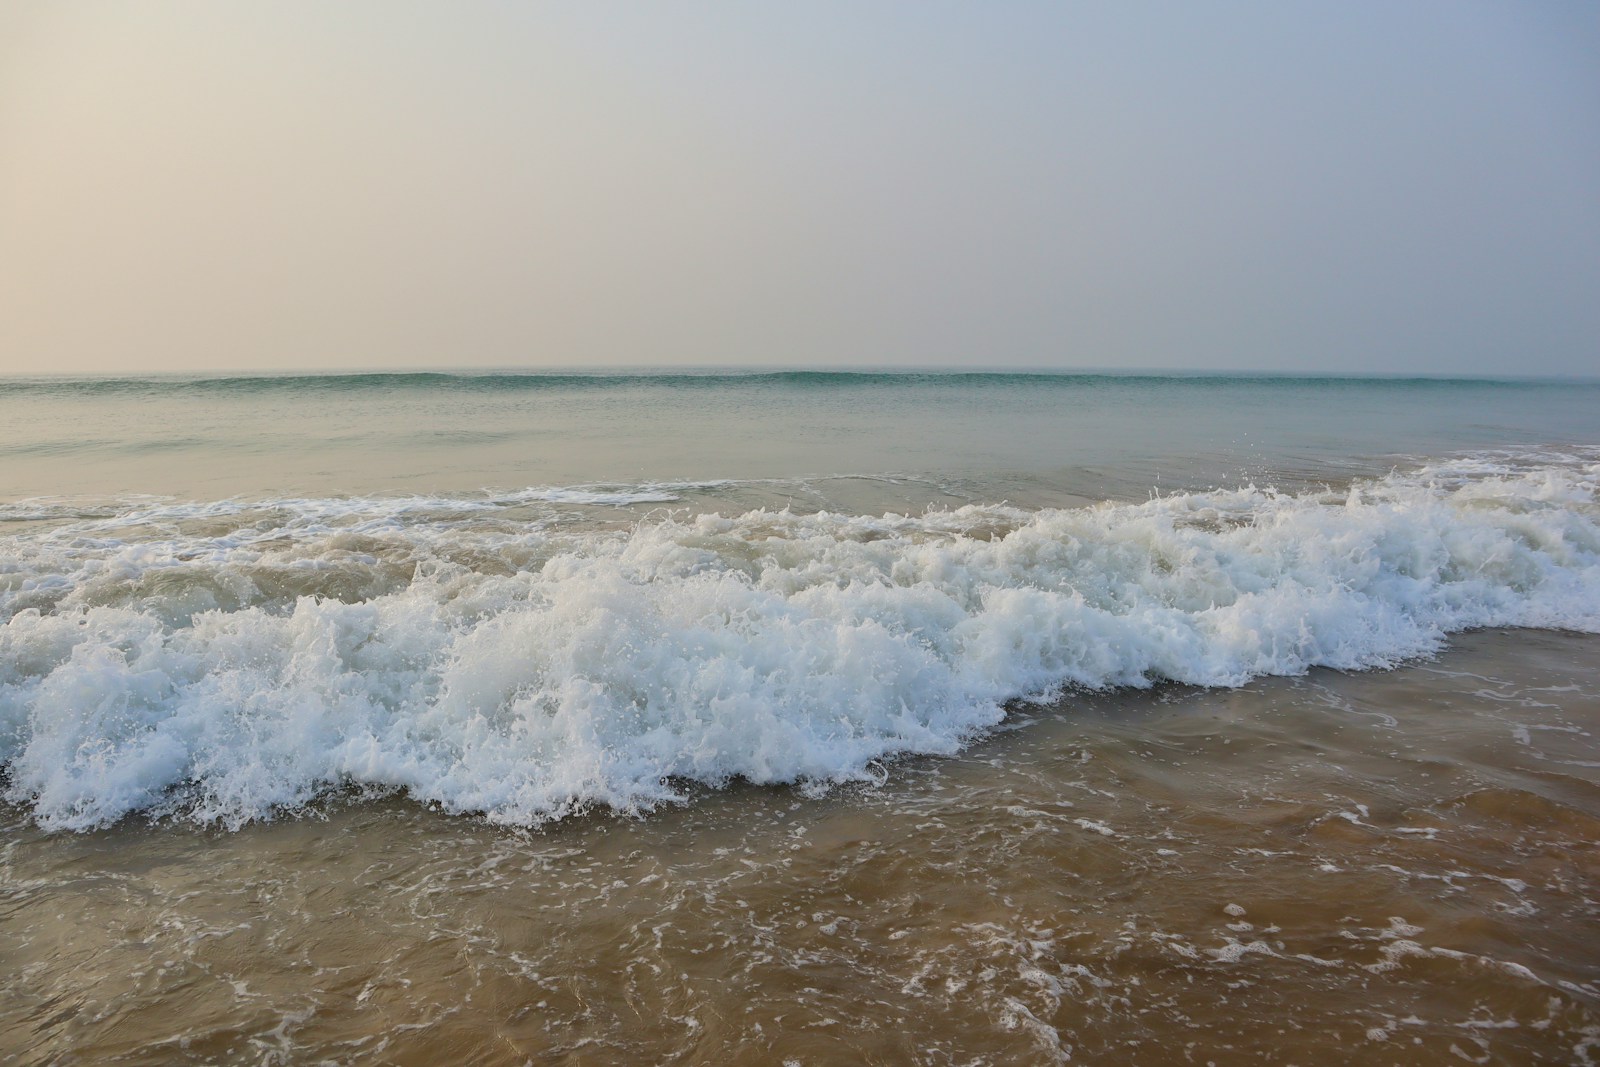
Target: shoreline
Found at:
1407, 851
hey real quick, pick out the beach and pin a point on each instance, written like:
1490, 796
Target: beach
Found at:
799, 717
1394, 867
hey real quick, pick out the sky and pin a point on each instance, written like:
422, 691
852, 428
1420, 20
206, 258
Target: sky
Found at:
1394, 187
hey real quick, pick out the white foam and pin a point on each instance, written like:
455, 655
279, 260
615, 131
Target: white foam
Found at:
301, 513
529, 673
650, 493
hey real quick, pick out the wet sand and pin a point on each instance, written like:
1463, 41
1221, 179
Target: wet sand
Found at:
1394, 867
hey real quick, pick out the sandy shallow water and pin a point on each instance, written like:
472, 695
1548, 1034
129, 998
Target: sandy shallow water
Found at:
1387, 867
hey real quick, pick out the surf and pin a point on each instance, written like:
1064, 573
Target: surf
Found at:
238, 672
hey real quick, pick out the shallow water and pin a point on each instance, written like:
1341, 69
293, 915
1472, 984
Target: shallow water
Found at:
799, 718
1387, 867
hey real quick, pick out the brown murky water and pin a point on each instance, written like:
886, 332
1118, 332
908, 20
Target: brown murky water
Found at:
1395, 867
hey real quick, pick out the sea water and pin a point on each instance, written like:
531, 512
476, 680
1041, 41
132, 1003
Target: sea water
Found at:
618, 684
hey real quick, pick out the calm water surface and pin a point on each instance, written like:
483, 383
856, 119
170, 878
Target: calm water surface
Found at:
410, 433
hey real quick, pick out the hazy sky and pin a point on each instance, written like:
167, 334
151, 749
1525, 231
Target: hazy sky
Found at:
1342, 186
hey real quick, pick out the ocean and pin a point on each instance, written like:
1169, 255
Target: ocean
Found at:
799, 717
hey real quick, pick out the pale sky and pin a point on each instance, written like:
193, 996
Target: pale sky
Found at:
1388, 186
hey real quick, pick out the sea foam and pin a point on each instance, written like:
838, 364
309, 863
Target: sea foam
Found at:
227, 674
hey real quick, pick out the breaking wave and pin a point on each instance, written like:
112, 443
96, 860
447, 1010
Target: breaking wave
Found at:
225, 673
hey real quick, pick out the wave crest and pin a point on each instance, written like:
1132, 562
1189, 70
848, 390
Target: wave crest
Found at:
528, 674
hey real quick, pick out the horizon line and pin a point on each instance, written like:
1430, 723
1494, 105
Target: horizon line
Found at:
734, 370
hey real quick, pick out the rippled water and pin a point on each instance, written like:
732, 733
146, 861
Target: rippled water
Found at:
984, 438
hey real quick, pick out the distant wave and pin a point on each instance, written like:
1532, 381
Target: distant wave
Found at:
534, 381
298, 514
527, 673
